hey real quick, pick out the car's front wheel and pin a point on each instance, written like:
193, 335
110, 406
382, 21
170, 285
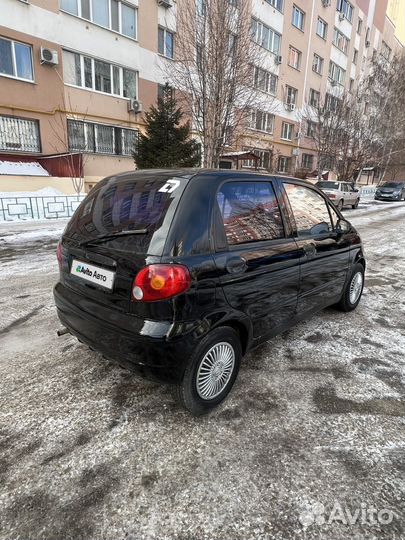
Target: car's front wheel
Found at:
353, 290
211, 372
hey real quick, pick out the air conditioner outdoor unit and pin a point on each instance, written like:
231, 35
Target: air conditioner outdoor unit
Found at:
326, 3
295, 151
332, 82
135, 106
290, 106
341, 16
165, 3
49, 57
279, 59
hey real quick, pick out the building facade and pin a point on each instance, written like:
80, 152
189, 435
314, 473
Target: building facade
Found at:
321, 48
75, 76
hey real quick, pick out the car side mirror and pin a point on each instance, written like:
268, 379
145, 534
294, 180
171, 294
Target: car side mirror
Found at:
356, 190
343, 226
320, 228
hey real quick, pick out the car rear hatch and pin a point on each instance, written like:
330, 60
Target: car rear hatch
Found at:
120, 227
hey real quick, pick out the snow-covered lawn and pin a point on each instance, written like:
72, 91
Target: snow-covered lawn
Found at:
317, 416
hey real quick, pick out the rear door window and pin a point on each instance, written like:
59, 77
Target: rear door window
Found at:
309, 208
249, 212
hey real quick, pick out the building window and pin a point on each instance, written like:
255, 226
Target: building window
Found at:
161, 91
112, 14
262, 121
294, 58
336, 73
310, 128
367, 41
264, 161
385, 51
314, 98
331, 102
101, 138
264, 80
321, 28
287, 131
307, 161
340, 41
359, 25
317, 64
265, 36
19, 135
86, 72
298, 17
16, 60
165, 42
278, 4
346, 9
249, 212
291, 95
355, 56
283, 164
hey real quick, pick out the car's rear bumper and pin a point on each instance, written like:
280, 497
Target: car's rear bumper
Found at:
157, 350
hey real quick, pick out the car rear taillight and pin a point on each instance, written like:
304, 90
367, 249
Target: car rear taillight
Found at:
160, 281
59, 254
332, 196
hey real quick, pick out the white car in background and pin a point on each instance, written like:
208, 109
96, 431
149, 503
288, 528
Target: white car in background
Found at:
340, 193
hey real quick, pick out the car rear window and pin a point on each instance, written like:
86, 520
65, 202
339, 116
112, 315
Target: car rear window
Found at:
392, 184
134, 202
327, 185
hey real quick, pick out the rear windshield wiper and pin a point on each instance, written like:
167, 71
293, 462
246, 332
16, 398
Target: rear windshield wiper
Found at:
108, 236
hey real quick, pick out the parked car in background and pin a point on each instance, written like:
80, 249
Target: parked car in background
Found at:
340, 193
177, 274
390, 191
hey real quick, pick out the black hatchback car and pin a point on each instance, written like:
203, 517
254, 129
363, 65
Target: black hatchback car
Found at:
178, 273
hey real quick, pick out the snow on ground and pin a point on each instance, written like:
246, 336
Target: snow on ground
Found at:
317, 416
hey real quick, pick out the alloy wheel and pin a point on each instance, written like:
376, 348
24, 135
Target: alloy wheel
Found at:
356, 286
215, 370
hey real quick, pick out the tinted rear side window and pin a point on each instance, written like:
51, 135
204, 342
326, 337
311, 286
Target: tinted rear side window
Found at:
249, 212
135, 202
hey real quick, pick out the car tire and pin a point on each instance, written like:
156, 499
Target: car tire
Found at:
356, 204
200, 391
340, 205
353, 290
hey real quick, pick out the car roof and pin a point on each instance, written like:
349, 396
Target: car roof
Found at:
193, 173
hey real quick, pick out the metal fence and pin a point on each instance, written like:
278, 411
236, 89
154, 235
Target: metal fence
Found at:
28, 208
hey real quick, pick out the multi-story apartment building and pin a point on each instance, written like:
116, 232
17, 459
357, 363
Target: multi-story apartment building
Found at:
320, 48
75, 76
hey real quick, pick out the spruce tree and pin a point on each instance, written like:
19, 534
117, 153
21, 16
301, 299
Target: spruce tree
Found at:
166, 142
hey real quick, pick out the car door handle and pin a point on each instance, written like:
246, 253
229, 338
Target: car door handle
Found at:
309, 250
236, 265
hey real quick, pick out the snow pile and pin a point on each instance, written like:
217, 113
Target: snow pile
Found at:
44, 192
22, 168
